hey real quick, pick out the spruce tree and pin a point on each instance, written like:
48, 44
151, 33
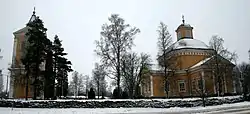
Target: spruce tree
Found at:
36, 52
49, 75
61, 67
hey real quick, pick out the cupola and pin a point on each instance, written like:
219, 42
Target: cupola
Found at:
184, 31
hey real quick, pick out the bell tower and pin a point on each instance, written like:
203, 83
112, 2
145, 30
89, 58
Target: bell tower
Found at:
184, 31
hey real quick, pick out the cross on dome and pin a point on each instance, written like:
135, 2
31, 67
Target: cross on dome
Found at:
183, 20
34, 12
33, 16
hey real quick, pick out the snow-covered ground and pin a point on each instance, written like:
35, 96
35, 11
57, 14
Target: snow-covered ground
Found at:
124, 110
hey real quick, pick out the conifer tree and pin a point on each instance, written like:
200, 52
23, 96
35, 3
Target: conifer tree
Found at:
61, 67
35, 53
49, 75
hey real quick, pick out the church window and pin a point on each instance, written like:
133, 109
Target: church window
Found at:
182, 86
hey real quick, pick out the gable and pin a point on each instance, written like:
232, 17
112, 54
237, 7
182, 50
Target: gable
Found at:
220, 59
23, 30
212, 60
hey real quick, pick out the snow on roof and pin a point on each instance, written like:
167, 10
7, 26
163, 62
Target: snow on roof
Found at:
189, 43
185, 25
201, 62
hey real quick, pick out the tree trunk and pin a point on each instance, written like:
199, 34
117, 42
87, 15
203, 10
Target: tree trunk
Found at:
202, 93
98, 88
36, 71
137, 91
62, 88
118, 73
165, 71
217, 75
35, 80
27, 84
54, 79
131, 89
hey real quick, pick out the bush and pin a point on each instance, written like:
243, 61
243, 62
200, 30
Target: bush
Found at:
116, 104
91, 94
247, 97
116, 94
125, 95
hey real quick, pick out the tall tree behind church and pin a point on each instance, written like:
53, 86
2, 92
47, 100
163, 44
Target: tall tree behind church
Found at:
164, 41
116, 39
61, 67
36, 52
245, 76
134, 68
217, 43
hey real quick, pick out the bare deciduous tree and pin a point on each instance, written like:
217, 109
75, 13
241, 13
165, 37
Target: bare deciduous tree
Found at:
1, 77
218, 67
99, 74
116, 39
1, 81
0, 55
134, 67
244, 69
164, 41
77, 82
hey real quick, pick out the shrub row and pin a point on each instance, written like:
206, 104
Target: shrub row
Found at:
115, 104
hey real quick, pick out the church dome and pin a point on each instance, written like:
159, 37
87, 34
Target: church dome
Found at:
189, 43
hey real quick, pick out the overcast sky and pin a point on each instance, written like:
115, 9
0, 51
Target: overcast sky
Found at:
78, 23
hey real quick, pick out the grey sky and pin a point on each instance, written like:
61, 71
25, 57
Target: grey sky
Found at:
78, 23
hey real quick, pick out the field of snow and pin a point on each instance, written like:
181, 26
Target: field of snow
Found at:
123, 110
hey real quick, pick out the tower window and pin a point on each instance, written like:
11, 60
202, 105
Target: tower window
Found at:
179, 35
188, 33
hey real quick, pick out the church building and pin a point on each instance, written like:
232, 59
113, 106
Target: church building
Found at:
17, 70
191, 70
